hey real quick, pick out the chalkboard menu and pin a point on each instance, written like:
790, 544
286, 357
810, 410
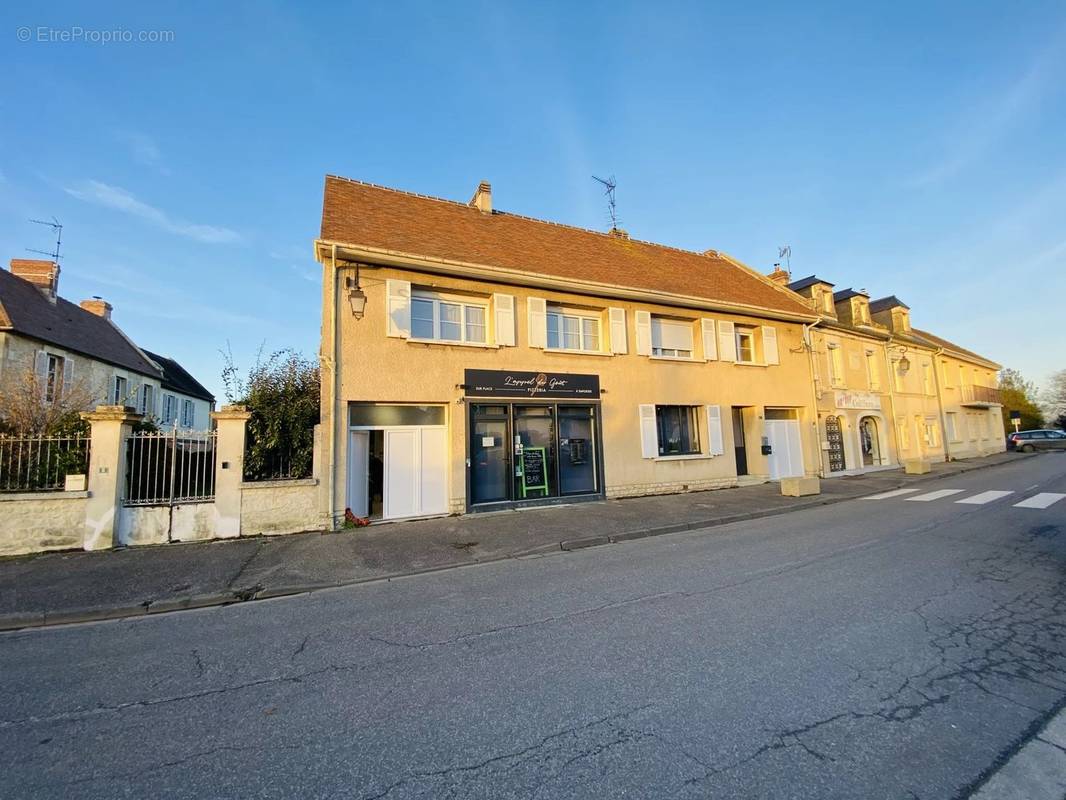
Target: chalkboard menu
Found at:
534, 474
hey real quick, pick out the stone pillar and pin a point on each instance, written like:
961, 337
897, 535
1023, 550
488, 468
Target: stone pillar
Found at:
231, 423
110, 425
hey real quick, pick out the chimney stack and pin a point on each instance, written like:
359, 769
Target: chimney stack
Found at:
42, 274
780, 276
97, 306
482, 199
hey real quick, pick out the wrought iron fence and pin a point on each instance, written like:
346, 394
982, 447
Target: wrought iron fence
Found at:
41, 463
169, 468
276, 465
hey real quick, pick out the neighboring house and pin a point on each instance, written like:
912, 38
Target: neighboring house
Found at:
852, 381
183, 400
474, 359
77, 352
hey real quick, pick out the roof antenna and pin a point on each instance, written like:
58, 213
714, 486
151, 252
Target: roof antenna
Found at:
785, 252
609, 185
58, 228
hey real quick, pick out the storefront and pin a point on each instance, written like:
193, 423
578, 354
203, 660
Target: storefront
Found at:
855, 433
533, 438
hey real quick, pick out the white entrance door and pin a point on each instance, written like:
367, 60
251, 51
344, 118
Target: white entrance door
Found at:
358, 472
786, 448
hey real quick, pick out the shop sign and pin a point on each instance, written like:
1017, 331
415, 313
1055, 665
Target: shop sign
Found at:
860, 400
534, 385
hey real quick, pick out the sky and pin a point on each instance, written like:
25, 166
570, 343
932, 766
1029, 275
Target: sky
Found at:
914, 149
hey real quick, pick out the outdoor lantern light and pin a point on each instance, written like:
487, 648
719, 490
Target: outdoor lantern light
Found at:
357, 297
904, 365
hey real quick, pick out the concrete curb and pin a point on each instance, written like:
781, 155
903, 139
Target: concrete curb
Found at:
37, 619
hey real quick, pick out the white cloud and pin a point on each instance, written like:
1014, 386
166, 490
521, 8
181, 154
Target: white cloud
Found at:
119, 199
144, 150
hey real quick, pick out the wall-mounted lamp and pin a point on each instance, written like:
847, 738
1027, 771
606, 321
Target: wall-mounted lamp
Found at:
904, 363
356, 295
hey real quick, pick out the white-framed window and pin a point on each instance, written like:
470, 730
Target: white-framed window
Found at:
678, 430
573, 330
951, 426
188, 413
861, 311
170, 409
147, 400
945, 373
671, 338
962, 376
445, 319
53, 382
827, 301
836, 363
873, 373
929, 430
745, 344
119, 391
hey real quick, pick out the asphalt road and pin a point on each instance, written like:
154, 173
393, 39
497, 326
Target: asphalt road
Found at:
891, 648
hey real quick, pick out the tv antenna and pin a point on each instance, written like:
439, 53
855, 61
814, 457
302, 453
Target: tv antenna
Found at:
58, 228
785, 252
609, 185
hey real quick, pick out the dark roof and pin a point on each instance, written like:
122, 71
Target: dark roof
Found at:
176, 378
803, 283
362, 214
886, 303
844, 294
936, 341
25, 310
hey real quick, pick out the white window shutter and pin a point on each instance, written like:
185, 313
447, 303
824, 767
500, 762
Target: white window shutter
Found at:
643, 322
710, 340
538, 321
40, 369
617, 318
649, 431
769, 345
398, 319
714, 430
68, 375
503, 304
727, 341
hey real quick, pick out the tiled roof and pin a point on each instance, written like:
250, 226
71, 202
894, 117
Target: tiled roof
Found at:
176, 377
886, 303
803, 283
936, 341
844, 294
28, 312
362, 214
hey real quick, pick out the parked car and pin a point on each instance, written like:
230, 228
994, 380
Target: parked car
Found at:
1028, 441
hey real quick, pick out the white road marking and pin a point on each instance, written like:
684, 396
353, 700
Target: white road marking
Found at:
1042, 500
886, 495
937, 495
984, 497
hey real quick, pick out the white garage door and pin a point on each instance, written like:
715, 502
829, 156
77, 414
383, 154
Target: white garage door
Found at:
415, 472
786, 456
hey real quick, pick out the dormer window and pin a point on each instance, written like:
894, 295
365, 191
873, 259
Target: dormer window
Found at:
827, 301
860, 311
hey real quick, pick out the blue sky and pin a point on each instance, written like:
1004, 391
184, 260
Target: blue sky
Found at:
913, 149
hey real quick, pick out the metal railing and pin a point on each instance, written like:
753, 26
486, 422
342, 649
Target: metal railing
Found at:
169, 468
41, 463
276, 465
980, 394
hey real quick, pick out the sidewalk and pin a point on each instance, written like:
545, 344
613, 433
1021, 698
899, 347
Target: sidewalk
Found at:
55, 588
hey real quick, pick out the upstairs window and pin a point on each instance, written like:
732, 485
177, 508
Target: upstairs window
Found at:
745, 345
827, 301
170, 409
147, 400
671, 338
119, 391
188, 413
53, 383
873, 374
447, 320
572, 330
836, 364
927, 378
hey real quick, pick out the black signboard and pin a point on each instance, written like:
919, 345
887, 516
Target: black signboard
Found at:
532, 385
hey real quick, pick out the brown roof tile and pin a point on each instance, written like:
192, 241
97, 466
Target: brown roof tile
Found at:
363, 214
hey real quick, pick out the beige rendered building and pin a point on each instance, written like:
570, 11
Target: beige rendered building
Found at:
475, 359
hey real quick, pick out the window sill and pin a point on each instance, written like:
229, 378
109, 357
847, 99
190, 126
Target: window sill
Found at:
446, 343
689, 457
688, 360
750, 364
566, 352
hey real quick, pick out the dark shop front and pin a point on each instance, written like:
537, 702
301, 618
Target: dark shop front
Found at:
534, 438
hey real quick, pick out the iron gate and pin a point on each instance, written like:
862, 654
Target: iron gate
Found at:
168, 468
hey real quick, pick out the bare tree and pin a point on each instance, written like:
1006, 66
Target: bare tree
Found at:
29, 407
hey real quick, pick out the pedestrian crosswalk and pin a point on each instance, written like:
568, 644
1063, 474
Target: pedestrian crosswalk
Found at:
1037, 501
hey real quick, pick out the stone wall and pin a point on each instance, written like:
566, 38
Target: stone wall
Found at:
33, 523
275, 507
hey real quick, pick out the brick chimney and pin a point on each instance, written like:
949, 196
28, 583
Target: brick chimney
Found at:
618, 233
482, 199
780, 276
97, 306
42, 274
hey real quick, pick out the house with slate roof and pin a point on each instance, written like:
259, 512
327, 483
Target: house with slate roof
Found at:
65, 347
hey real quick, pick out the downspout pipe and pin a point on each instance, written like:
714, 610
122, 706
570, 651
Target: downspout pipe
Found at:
940, 402
333, 424
808, 342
